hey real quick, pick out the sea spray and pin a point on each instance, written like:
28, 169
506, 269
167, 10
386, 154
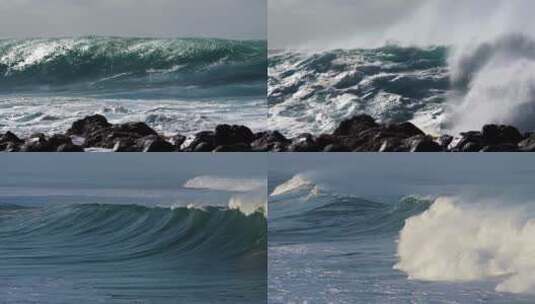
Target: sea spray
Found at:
459, 241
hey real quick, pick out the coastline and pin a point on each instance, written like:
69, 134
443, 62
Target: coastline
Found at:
358, 134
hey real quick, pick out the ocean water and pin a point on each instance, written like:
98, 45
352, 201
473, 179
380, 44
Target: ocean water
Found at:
174, 85
327, 246
440, 88
97, 236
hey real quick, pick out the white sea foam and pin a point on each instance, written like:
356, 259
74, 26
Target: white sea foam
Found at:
297, 182
249, 203
226, 183
24, 115
455, 241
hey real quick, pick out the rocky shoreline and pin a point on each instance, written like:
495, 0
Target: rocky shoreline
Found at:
358, 134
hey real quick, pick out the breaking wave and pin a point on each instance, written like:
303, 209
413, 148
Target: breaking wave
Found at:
462, 241
108, 62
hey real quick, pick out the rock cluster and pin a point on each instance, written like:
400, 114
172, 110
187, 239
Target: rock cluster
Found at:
358, 134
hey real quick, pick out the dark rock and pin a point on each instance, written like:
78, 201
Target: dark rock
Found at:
393, 144
240, 147
10, 137
470, 142
206, 137
304, 143
528, 144
355, 125
88, 125
178, 140
500, 148
126, 145
471, 147
57, 140
37, 143
69, 148
203, 147
154, 143
269, 141
335, 148
444, 141
138, 128
494, 134
405, 130
9, 142
424, 143
226, 135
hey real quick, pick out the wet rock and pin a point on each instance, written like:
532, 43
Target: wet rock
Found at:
154, 143
500, 148
444, 141
304, 143
470, 142
9, 142
494, 134
57, 140
393, 144
240, 147
528, 144
203, 147
404, 130
335, 148
90, 124
423, 143
269, 141
178, 141
126, 145
206, 138
135, 128
37, 143
355, 125
226, 135
69, 148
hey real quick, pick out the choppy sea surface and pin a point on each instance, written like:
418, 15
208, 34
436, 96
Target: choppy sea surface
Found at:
332, 247
174, 85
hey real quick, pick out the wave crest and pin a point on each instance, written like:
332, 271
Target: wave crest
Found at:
454, 241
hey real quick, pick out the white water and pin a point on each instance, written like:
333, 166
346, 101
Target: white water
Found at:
226, 183
24, 115
297, 182
458, 241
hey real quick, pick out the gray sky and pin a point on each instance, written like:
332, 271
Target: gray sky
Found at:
373, 175
237, 19
304, 22
135, 170
369, 23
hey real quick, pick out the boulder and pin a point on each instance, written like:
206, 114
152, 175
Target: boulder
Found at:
226, 135
528, 144
355, 125
240, 147
84, 127
269, 141
494, 134
154, 143
423, 143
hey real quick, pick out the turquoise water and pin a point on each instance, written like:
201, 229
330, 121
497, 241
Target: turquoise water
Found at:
174, 85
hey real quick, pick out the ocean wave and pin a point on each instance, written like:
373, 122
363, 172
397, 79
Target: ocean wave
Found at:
314, 92
441, 89
463, 241
226, 183
131, 232
109, 62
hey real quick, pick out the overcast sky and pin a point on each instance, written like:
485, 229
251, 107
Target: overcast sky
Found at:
367, 23
239, 19
302, 22
376, 175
